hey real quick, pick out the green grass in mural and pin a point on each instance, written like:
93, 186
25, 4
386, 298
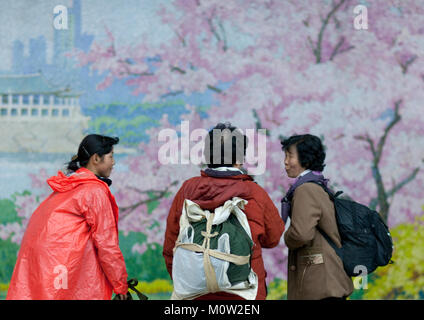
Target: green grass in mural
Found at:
106, 121
128, 130
130, 121
146, 267
8, 255
151, 264
8, 249
8, 212
160, 105
152, 205
160, 296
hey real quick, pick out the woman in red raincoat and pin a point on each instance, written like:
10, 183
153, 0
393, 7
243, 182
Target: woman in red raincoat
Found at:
70, 248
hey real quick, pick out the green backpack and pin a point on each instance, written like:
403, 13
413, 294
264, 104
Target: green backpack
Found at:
240, 244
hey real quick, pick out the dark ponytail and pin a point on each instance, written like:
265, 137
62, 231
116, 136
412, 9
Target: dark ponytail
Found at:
73, 164
90, 145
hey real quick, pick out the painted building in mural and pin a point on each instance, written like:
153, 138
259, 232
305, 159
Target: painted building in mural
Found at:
32, 110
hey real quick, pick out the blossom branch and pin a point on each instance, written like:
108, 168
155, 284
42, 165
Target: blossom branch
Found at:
159, 194
337, 49
405, 65
317, 50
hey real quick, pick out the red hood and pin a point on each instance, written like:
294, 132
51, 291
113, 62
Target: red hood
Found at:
63, 183
212, 192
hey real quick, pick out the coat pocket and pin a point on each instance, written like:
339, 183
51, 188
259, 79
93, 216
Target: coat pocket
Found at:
312, 259
309, 261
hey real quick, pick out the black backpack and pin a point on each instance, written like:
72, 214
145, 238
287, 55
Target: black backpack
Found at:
366, 239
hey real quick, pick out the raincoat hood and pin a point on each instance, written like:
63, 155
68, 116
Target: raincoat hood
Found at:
210, 191
64, 183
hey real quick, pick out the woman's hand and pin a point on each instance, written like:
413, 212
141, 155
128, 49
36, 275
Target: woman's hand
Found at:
121, 297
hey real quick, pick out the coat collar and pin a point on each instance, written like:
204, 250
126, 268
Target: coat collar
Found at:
234, 175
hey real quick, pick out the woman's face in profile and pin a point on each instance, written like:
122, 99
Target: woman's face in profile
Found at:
105, 166
291, 162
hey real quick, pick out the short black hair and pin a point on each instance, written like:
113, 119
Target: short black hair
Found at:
217, 143
310, 150
90, 145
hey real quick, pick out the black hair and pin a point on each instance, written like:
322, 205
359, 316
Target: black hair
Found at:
217, 143
90, 145
310, 150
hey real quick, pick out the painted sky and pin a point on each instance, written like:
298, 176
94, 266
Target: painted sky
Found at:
129, 19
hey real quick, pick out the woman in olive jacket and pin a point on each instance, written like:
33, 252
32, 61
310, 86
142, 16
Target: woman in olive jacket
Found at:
315, 271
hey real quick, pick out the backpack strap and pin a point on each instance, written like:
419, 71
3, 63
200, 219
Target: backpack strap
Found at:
211, 281
338, 250
332, 196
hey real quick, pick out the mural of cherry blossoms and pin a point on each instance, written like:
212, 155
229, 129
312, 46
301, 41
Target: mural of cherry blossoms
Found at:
136, 68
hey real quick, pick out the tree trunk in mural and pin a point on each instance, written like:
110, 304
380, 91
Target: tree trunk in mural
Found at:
381, 202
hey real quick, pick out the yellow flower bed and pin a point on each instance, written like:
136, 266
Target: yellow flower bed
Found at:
405, 278
156, 286
277, 290
4, 286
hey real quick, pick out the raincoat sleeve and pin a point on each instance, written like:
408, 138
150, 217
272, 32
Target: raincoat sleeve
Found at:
104, 233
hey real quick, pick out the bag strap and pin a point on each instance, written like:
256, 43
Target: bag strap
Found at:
338, 250
132, 283
211, 282
332, 196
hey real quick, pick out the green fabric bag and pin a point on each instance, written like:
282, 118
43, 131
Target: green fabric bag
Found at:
240, 244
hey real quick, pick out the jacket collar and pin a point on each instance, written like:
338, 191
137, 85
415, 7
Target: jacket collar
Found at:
235, 175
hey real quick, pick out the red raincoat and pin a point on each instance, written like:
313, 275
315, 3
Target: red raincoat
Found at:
70, 248
211, 192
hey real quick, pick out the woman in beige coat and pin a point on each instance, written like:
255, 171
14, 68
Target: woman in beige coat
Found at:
315, 271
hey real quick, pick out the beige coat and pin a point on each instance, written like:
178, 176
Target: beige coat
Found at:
314, 269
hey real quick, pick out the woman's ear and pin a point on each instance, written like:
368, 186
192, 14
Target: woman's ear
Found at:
96, 158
